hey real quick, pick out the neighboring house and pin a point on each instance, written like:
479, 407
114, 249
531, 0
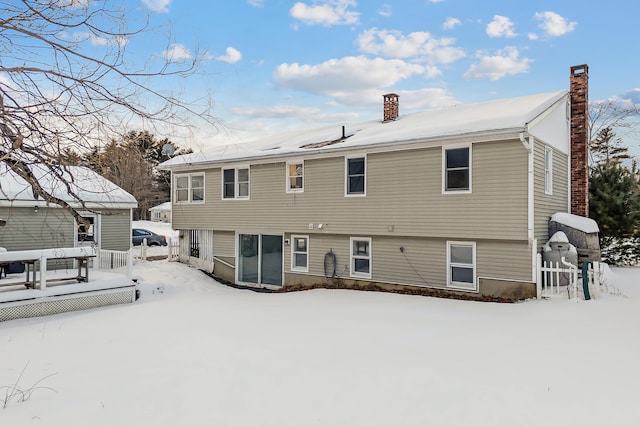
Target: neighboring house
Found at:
454, 200
162, 212
31, 223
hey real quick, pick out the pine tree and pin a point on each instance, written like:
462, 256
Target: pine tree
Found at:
607, 148
614, 200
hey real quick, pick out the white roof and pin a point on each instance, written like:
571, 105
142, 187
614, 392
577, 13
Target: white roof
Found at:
92, 188
166, 206
512, 114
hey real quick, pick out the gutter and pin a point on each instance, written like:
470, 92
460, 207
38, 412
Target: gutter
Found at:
528, 142
335, 150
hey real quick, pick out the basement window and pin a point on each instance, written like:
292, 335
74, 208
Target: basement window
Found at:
461, 265
361, 257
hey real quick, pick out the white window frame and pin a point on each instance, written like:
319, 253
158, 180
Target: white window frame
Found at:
444, 169
548, 170
462, 285
294, 267
346, 176
353, 257
289, 176
236, 183
189, 187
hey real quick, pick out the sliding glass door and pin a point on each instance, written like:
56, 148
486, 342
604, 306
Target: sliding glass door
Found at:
260, 259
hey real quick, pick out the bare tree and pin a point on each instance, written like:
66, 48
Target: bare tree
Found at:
66, 83
614, 117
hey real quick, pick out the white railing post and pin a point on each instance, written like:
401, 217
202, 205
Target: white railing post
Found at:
129, 264
43, 273
538, 276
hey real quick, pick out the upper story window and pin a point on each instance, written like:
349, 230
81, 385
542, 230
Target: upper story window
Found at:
356, 177
295, 177
457, 170
235, 183
189, 188
548, 170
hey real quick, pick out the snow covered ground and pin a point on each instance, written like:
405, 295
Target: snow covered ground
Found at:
192, 352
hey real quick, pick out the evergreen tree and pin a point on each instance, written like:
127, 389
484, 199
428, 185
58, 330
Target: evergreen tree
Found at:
614, 200
607, 148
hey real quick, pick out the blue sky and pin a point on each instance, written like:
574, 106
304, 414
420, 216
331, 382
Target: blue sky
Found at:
272, 65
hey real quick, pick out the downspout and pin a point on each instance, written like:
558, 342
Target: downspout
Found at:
533, 244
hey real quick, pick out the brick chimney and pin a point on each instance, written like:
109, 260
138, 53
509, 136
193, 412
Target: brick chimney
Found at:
391, 107
579, 97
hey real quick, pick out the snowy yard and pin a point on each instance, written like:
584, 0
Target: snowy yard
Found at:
192, 352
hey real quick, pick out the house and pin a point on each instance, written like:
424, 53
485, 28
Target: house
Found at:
161, 212
31, 223
453, 201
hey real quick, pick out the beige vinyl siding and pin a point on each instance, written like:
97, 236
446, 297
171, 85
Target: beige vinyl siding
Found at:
421, 263
115, 230
546, 205
404, 197
224, 244
26, 229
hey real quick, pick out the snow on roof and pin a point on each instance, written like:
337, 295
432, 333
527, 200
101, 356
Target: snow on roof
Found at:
581, 223
511, 114
161, 207
92, 188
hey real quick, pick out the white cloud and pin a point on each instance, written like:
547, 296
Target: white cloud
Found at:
436, 1
494, 67
532, 36
158, 6
417, 44
501, 26
177, 53
427, 98
632, 95
327, 13
339, 78
385, 10
230, 57
553, 24
450, 23
256, 3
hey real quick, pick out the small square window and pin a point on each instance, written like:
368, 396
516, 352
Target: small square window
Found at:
189, 188
235, 183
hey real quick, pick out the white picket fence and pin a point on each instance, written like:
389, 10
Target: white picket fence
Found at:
121, 261
564, 278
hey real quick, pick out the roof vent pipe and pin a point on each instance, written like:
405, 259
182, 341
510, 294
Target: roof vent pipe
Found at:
344, 135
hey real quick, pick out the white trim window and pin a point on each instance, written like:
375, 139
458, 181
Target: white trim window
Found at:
461, 265
189, 188
355, 169
300, 253
361, 257
295, 177
235, 183
456, 168
548, 170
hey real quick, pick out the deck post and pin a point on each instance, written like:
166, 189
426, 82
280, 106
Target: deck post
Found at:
43, 273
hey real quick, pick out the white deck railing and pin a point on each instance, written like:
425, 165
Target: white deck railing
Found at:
557, 278
114, 261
